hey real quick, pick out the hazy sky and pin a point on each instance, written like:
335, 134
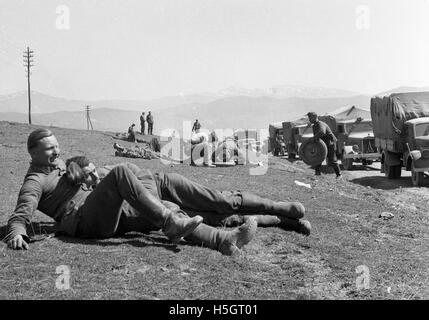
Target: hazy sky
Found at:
146, 49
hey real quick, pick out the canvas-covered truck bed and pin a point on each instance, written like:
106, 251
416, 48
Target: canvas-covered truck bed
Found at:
389, 115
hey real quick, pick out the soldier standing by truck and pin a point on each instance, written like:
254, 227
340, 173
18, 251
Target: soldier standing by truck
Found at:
322, 131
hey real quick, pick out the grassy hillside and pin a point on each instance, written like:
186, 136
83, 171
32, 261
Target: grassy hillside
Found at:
277, 264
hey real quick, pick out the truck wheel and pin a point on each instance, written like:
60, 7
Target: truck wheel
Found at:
291, 156
397, 171
392, 172
276, 152
417, 177
348, 164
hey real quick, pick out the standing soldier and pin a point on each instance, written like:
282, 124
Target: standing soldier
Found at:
196, 127
142, 122
322, 131
149, 120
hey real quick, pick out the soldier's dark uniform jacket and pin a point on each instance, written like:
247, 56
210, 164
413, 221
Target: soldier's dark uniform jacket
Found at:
196, 126
322, 131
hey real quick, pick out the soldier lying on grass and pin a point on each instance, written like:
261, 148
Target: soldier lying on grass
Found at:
80, 211
121, 203
217, 208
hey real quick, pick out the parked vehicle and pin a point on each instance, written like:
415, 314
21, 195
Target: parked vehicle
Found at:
276, 143
295, 133
250, 142
355, 140
401, 129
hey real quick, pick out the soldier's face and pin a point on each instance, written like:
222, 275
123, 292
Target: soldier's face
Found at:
46, 152
91, 174
312, 118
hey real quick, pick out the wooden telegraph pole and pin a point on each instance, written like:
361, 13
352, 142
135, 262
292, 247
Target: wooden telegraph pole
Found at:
88, 119
28, 55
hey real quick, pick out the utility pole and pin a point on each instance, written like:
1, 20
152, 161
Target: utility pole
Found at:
28, 55
88, 119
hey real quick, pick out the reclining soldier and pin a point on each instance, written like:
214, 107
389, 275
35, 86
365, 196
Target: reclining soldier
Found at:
226, 208
80, 211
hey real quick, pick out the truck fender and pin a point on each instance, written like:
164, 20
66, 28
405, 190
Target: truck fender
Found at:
415, 155
391, 159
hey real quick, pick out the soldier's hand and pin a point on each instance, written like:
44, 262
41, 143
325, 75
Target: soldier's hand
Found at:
17, 243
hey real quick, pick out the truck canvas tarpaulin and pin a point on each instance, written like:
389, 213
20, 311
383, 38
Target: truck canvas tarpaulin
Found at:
390, 113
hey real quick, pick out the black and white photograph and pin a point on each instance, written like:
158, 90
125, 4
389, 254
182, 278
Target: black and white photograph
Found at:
235, 152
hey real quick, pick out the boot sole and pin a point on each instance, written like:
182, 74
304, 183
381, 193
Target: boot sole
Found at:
247, 231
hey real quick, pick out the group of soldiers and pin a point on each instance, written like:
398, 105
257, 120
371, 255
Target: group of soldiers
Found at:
149, 120
131, 135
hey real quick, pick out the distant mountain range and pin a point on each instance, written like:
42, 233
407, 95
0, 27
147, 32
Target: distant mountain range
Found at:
229, 108
43, 103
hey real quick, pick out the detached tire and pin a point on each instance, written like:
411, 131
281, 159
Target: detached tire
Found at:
312, 152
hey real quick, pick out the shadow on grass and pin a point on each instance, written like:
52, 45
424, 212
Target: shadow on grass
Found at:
37, 231
380, 182
135, 239
360, 167
40, 231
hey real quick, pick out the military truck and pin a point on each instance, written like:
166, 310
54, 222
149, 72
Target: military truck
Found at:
401, 129
295, 133
355, 140
276, 144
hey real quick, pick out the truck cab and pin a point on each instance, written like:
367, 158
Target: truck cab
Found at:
416, 157
295, 133
356, 142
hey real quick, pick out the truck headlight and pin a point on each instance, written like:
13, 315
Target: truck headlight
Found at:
425, 153
355, 148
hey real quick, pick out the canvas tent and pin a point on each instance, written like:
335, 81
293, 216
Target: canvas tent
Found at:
348, 114
351, 113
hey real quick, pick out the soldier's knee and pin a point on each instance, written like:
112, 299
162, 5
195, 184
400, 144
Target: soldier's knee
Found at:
121, 169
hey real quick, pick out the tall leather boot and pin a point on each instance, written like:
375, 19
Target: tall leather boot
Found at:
176, 227
337, 169
254, 204
301, 226
228, 242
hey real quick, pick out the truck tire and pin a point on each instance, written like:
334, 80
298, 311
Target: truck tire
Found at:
392, 172
313, 152
291, 156
417, 177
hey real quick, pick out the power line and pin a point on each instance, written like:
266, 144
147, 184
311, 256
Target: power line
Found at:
88, 118
28, 60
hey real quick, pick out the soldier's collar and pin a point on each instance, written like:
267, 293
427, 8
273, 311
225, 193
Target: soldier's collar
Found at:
61, 166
